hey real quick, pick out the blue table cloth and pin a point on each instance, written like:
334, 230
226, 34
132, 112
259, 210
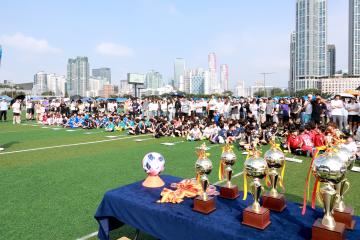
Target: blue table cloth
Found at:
136, 206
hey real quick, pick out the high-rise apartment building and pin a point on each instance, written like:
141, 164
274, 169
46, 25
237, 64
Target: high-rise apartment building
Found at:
292, 61
78, 76
214, 85
197, 81
354, 37
56, 84
224, 77
153, 80
179, 71
104, 73
311, 41
331, 59
40, 83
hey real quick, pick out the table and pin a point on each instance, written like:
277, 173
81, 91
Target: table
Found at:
136, 206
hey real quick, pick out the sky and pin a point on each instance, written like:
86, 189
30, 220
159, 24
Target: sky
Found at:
140, 35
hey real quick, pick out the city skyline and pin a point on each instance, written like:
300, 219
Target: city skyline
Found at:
40, 45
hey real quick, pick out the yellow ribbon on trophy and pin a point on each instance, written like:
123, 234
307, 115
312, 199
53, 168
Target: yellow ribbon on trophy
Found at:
245, 186
282, 175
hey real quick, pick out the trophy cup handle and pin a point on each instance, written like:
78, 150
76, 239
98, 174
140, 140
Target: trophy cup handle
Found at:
346, 187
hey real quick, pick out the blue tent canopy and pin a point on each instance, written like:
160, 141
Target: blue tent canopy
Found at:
7, 98
36, 98
101, 99
87, 99
121, 99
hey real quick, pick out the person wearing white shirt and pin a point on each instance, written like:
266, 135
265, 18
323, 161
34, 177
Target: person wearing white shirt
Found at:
227, 109
353, 111
199, 109
164, 108
337, 106
171, 110
3, 110
153, 108
254, 109
262, 110
212, 107
220, 106
16, 107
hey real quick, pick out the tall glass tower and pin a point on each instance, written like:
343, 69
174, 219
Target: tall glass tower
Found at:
311, 41
331, 59
224, 77
104, 73
214, 85
179, 71
292, 61
354, 37
78, 76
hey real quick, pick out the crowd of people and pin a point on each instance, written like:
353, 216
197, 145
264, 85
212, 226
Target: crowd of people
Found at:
300, 123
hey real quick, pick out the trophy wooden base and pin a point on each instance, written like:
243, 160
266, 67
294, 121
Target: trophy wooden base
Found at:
229, 193
253, 219
345, 217
277, 204
204, 207
320, 232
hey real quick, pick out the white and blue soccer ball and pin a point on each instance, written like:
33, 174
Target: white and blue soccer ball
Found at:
153, 163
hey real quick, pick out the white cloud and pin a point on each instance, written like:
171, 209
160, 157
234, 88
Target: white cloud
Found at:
29, 44
113, 49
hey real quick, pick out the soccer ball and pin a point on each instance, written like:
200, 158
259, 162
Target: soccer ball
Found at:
153, 163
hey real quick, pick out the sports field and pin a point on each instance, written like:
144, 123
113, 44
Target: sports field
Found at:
52, 179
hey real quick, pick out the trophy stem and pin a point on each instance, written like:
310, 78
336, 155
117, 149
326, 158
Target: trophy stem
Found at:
228, 176
328, 196
204, 186
256, 191
274, 176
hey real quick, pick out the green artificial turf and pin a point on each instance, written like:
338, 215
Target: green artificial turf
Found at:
54, 193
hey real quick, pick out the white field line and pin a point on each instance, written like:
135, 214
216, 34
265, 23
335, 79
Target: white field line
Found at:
215, 145
88, 236
143, 139
68, 145
292, 159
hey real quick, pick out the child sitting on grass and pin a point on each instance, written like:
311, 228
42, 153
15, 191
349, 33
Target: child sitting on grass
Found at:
293, 141
194, 134
110, 126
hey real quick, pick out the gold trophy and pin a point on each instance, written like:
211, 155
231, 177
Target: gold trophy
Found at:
275, 159
228, 159
328, 170
255, 169
203, 166
343, 213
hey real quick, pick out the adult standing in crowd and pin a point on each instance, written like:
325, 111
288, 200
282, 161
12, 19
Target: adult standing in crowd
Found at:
337, 106
3, 110
353, 114
317, 110
307, 109
269, 110
212, 106
16, 107
177, 107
